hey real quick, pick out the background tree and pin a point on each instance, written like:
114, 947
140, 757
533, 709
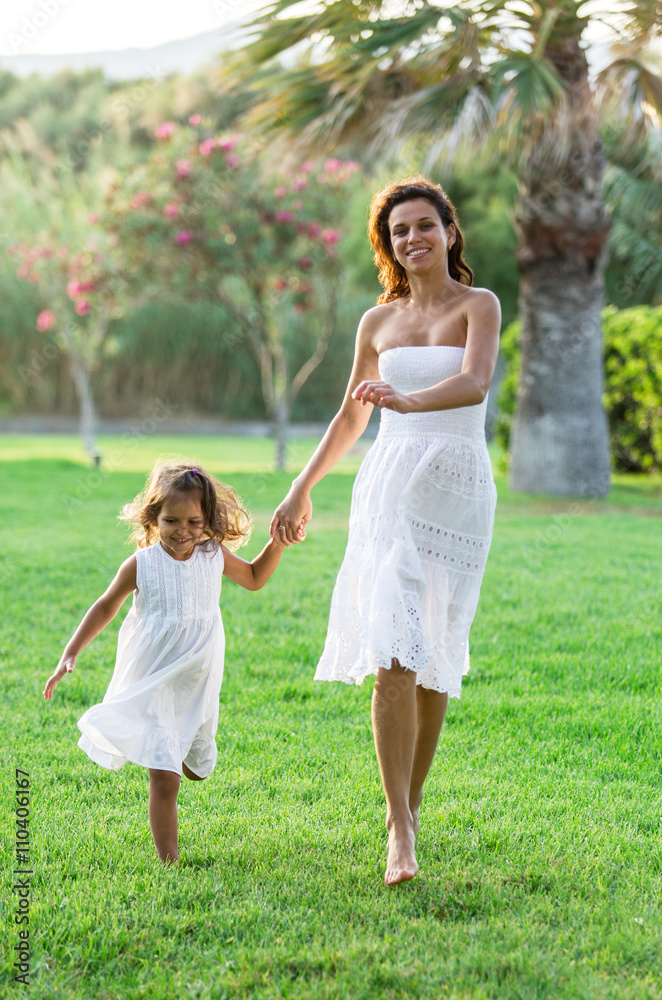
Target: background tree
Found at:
70, 262
206, 217
512, 77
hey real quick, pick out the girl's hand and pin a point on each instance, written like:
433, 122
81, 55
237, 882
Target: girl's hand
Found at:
288, 524
65, 666
383, 395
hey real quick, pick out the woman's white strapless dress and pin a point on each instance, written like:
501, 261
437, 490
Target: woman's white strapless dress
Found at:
419, 534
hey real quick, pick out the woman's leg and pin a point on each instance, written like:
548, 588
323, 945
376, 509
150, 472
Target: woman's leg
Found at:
163, 789
394, 728
430, 712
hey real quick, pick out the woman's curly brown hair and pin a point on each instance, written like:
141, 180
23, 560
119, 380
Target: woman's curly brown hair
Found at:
225, 519
392, 276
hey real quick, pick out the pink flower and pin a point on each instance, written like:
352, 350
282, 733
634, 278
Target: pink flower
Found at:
171, 210
73, 289
351, 166
330, 236
183, 237
306, 167
164, 130
183, 168
195, 119
227, 142
45, 320
85, 286
62, 251
231, 160
280, 284
332, 165
284, 216
305, 263
314, 229
280, 191
206, 147
140, 199
23, 269
82, 307
92, 218
299, 183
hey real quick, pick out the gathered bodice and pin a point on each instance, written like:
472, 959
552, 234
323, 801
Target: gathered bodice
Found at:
172, 590
409, 369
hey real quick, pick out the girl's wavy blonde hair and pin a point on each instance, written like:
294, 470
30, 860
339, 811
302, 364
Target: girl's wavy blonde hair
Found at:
392, 276
225, 519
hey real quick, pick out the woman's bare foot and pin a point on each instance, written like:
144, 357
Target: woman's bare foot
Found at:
416, 820
415, 808
401, 865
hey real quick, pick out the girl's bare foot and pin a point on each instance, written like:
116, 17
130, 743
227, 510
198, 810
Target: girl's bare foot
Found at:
401, 865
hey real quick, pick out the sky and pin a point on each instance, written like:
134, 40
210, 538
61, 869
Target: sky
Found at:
68, 26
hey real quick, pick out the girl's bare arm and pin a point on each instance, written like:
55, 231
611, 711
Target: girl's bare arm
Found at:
100, 614
253, 575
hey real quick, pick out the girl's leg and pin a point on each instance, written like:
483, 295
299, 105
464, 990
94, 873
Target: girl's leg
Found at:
430, 712
394, 728
191, 775
163, 789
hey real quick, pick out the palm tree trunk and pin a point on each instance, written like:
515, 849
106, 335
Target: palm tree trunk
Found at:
559, 442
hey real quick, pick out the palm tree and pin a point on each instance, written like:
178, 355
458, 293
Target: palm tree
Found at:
510, 76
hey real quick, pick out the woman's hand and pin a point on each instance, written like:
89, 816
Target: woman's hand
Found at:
383, 395
289, 521
65, 666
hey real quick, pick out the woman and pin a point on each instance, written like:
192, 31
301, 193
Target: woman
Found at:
423, 501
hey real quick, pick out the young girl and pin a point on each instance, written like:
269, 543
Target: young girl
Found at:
161, 709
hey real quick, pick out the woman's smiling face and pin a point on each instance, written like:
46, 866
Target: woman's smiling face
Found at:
418, 237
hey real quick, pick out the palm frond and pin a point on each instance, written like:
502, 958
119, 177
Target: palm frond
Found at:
528, 84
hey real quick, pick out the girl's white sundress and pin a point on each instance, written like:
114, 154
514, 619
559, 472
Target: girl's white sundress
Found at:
419, 533
162, 704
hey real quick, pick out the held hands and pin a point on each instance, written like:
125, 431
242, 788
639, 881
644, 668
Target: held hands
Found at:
65, 666
289, 521
383, 395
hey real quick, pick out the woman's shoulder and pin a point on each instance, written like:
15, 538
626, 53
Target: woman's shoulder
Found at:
377, 314
374, 319
482, 305
481, 297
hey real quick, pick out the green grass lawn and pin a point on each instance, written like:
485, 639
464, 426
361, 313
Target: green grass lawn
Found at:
541, 839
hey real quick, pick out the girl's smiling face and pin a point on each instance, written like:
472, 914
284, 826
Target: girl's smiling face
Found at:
418, 237
181, 525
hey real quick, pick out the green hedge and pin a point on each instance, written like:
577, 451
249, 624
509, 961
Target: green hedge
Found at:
633, 386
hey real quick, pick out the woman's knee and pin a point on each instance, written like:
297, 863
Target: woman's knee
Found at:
391, 684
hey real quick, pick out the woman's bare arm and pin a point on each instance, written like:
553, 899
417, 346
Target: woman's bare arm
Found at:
467, 388
344, 430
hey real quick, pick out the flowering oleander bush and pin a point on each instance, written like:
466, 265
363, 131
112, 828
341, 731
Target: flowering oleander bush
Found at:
208, 216
83, 293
